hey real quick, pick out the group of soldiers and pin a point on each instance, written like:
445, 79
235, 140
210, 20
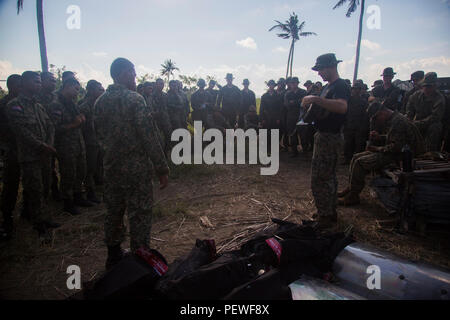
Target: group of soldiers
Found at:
122, 136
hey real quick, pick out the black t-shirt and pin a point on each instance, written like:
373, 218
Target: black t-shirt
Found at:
339, 89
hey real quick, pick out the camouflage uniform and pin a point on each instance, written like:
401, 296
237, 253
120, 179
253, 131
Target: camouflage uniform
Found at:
230, 100
126, 133
161, 117
70, 148
212, 99
292, 102
186, 108
46, 99
248, 99
200, 103
400, 132
90, 140
427, 114
251, 120
175, 109
11, 170
354, 136
32, 128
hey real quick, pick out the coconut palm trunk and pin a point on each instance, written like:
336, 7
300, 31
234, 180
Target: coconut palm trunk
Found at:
358, 45
289, 58
41, 32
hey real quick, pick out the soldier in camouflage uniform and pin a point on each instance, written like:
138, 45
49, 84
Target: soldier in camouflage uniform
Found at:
248, 99
34, 132
11, 169
426, 109
281, 91
400, 132
125, 131
416, 78
69, 144
212, 96
229, 100
161, 114
327, 140
186, 106
94, 90
292, 101
270, 110
354, 138
175, 106
46, 97
391, 94
200, 101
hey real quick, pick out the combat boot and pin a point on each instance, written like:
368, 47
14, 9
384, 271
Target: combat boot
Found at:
115, 254
344, 192
92, 197
349, 200
70, 207
80, 201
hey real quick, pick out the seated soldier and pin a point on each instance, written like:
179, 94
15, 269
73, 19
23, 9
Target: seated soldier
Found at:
400, 132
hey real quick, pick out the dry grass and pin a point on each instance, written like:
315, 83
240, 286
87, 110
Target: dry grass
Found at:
236, 201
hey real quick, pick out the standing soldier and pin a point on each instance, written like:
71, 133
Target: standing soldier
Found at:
213, 94
34, 132
70, 146
308, 85
230, 100
94, 89
270, 111
46, 97
354, 138
281, 91
186, 106
416, 78
327, 140
175, 106
426, 109
161, 114
126, 132
248, 99
391, 95
200, 102
292, 101
11, 170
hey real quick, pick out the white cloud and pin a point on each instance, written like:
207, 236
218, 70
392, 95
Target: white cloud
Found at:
86, 72
99, 54
280, 50
370, 45
248, 43
7, 69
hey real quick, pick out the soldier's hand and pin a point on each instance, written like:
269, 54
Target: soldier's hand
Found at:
163, 181
373, 148
308, 100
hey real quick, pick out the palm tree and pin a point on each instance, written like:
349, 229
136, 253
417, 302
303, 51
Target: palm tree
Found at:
168, 67
291, 29
352, 6
41, 33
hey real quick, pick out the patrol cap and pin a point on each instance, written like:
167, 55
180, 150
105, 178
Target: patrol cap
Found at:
229, 76
281, 81
325, 61
429, 79
245, 81
271, 83
377, 83
359, 84
417, 75
388, 72
293, 80
201, 83
308, 83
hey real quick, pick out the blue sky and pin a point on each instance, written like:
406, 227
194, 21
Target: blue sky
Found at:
216, 37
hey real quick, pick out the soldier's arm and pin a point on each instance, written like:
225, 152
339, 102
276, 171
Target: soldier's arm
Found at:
438, 110
147, 133
17, 121
411, 107
397, 138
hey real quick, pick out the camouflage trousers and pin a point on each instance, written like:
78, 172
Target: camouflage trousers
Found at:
33, 176
92, 153
132, 194
11, 179
354, 142
363, 163
177, 120
73, 172
433, 137
323, 172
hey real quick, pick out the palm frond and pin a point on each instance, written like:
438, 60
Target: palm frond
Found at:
339, 4
353, 5
307, 34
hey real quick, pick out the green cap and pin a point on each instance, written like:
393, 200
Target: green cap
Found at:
430, 79
388, 72
325, 61
271, 83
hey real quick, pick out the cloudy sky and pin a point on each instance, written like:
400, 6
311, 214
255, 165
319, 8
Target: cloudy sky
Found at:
210, 37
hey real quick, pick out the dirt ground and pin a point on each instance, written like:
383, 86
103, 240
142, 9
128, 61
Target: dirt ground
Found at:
236, 200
